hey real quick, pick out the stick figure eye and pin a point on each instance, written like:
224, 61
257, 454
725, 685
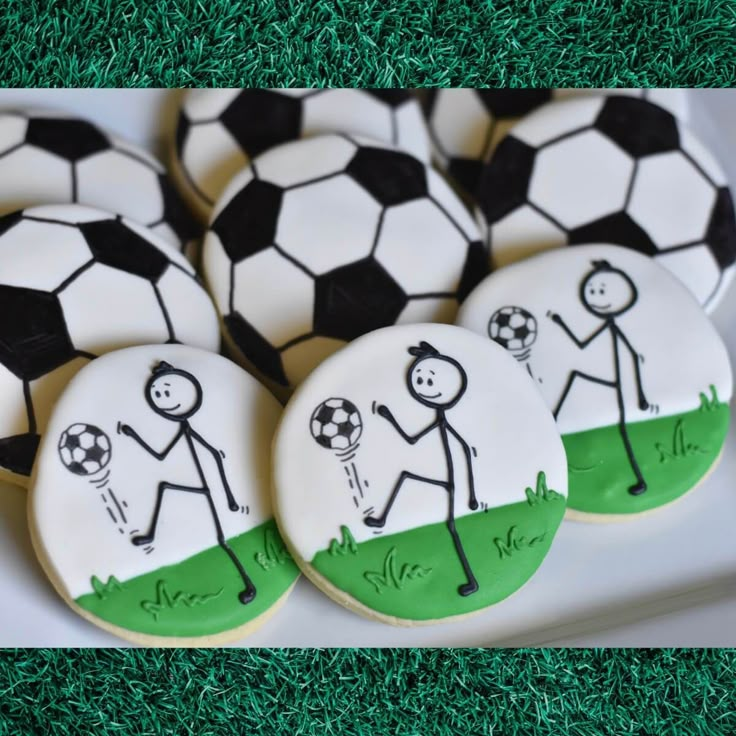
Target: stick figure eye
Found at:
430, 382
158, 394
420, 381
167, 394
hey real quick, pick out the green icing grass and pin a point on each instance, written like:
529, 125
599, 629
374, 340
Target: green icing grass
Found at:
415, 574
403, 43
198, 596
673, 452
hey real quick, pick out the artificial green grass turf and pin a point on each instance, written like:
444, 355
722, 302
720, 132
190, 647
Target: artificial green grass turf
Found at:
368, 692
342, 43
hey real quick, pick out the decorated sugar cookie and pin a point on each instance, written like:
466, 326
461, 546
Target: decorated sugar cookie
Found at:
634, 372
616, 170
220, 130
149, 508
49, 157
77, 282
325, 239
466, 125
418, 475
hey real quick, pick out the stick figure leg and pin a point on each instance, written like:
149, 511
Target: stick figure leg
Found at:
380, 521
149, 536
571, 379
471, 586
249, 592
641, 485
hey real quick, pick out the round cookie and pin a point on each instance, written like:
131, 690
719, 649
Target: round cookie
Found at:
220, 130
149, 507
636, 375
418, 475
466, 125
50, 157
324, 239
616, 170
76, 282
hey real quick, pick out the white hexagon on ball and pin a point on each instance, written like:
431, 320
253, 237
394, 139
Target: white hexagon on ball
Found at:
580, 179
328, 224
671, 200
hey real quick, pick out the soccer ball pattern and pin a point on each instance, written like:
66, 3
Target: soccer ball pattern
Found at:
84, 449
75, 283
336, 424
513, 328
221, 130
51, 158
615, 170
325, 239
466, 125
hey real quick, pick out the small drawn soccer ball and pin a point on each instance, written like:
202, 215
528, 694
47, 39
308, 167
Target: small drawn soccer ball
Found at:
84, 449
513, 328
336, 424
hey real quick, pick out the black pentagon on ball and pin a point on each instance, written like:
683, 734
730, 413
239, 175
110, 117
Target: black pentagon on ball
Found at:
619, 229
345, 429
640, 127
503, 319
507, 103
248, 222
33, 335
466, 172
95, 453
391, 177
721, 233
17, 453
323, 440
71, 139
10, 220
392, 97
522, 332
505, 180
355, 299
72, 441
115, 245
182, 132
324, 414
474, 270
256, 348
260, 118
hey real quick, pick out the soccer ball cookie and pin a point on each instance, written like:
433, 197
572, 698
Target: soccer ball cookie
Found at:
466, 125
49, 157
149, 507
418, 475
324, 239
637, 377
616, 170
221, 130
76, 282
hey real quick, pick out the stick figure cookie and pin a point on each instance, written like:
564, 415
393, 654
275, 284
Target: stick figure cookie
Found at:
77, 282
149, 506
418, 475
635, 374
50, 157
618, 170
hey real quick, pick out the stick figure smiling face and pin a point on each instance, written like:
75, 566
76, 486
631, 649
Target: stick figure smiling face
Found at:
607, 291
435, 380
173, 393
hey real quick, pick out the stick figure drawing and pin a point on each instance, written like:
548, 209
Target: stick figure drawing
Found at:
176, 395
607, 293
438, 382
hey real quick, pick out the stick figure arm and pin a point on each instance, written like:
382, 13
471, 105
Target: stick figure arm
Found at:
128, 431
580, 343
220, 468
472, 501
385, 412
643, 403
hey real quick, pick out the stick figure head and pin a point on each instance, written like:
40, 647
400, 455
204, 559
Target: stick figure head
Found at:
435, 380
607, 291
173, 393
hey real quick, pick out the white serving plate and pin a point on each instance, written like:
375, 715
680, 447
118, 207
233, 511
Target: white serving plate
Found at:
668, 579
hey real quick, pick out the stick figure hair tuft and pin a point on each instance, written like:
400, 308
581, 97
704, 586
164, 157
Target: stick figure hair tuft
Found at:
161, 367
423, 350
602, 265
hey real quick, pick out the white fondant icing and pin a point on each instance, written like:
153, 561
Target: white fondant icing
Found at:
683, 354
77, 535
500, 414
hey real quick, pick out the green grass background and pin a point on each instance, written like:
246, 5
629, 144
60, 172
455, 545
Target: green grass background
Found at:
368, 42
369, 692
